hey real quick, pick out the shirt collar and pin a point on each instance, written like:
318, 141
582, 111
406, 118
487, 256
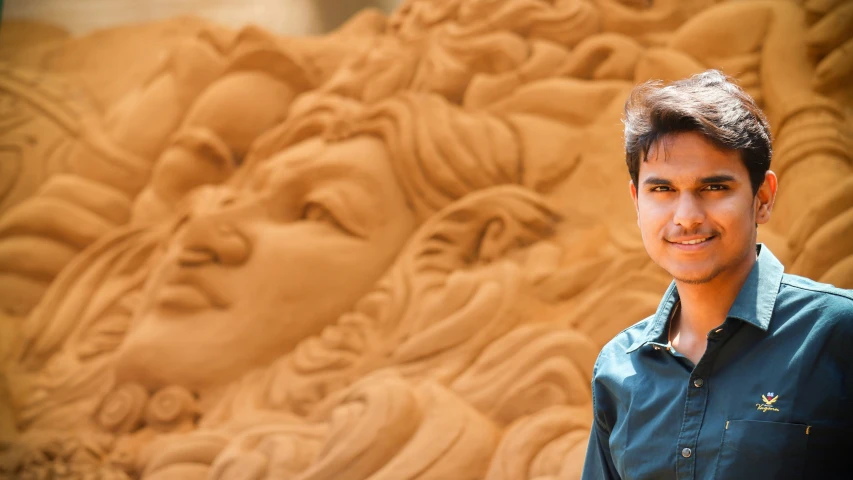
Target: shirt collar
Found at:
753, 304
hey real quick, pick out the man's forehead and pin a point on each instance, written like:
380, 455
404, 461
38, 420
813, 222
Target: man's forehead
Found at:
692, 170
690, 154
692, 166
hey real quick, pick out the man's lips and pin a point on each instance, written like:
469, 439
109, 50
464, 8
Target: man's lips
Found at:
693, 242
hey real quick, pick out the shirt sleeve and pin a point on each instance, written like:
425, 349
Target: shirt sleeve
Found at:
598, 464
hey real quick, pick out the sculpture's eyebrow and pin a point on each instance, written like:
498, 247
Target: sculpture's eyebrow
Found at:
324, 172
305, 171
360, 195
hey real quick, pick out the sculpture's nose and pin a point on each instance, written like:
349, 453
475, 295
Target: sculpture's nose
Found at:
209, 232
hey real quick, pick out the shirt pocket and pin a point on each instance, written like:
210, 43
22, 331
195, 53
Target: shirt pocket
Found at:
753, 449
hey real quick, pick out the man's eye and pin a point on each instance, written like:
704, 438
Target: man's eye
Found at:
661, 188
716, 188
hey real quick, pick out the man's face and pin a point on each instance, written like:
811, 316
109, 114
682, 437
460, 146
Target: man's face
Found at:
696, 209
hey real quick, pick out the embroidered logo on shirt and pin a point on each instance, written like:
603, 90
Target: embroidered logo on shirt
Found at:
769, 399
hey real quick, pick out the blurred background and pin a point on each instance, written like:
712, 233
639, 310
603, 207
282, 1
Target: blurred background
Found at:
287, 17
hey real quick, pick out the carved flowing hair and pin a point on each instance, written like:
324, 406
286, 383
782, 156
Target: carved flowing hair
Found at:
439, 152
562, 22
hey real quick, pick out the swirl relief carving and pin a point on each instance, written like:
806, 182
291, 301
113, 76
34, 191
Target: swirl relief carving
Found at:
389, 252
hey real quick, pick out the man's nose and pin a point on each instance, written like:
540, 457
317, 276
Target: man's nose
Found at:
689, 211
210, 232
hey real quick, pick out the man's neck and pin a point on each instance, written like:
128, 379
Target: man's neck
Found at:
704, 306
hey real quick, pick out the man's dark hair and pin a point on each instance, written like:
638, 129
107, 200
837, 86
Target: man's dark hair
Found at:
708, 103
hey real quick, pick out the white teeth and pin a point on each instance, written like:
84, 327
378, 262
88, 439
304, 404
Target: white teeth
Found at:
694, 242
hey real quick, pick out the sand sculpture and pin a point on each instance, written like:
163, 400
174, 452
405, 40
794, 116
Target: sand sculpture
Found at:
391, 252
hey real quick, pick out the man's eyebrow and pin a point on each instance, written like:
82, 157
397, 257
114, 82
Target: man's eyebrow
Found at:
656, 181
717, 179
722, 178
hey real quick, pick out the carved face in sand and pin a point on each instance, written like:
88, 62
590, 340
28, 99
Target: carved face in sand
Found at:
255, 268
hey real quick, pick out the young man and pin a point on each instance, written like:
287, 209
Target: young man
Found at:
744, 372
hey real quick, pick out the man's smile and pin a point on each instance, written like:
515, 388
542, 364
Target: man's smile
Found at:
691, 243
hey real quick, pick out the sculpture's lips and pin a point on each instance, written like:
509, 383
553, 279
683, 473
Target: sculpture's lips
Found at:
185, 291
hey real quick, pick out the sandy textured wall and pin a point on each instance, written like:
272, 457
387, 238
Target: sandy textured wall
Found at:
283, 17
389, 252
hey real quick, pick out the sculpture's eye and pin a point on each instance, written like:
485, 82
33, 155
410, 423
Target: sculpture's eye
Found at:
317, 212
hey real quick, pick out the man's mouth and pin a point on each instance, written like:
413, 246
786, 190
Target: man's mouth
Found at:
691, 241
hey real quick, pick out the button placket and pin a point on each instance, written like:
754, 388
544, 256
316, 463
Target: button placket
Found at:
694, 413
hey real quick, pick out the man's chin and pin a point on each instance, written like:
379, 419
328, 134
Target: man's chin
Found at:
695, 277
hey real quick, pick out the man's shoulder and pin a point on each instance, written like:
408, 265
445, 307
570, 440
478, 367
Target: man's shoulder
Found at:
615, 351
826, 309
830, 298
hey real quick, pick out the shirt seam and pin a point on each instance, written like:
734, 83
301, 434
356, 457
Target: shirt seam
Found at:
595, 412
832, 291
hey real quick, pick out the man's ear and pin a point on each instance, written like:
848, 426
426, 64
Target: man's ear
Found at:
633, 189
765, 197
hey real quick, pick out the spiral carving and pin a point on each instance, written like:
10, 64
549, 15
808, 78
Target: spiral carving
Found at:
122, 409
170, 407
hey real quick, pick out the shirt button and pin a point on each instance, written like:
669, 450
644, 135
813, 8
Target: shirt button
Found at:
686, 453
698, 382
715, 334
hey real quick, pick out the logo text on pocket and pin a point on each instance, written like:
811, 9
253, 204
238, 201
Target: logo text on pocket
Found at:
769, 399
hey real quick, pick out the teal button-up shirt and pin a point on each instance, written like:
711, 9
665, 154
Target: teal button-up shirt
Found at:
771, 398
